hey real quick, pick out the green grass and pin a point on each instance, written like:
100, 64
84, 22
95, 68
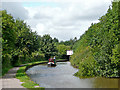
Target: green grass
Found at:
23, 77
5, 70
60, 59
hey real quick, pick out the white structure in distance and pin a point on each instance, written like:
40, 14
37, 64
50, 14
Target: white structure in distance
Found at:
69, 52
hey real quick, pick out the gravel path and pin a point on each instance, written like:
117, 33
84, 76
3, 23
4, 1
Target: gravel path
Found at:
9, 80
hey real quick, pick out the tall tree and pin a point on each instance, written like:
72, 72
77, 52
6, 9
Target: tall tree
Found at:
48, 46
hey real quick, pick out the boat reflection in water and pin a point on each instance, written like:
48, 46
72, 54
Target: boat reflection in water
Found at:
51, 64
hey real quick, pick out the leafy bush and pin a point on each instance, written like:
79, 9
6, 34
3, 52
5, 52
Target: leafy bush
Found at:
97, 53
6, 63
62, 51
37, 56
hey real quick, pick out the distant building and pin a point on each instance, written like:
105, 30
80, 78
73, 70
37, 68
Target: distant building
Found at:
69, 52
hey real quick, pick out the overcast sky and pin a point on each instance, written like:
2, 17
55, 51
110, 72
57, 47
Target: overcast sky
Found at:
63, 19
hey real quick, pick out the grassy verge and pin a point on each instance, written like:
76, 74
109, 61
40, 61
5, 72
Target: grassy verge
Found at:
5, 70
23, 77
60, 59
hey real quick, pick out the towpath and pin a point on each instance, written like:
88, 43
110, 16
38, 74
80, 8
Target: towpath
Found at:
9, 80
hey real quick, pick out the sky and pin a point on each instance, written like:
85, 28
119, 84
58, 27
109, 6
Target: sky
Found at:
63, 19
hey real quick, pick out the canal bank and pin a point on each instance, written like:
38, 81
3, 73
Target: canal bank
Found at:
17, 78
24, 78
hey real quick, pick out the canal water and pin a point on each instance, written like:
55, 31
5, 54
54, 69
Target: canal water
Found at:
62, 76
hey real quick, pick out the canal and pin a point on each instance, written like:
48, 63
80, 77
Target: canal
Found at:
62, 76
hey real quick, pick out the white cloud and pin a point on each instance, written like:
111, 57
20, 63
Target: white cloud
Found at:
40, 29
68, 19
58, 1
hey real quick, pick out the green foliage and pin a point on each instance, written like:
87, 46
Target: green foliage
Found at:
62, 50
115, 61
6, 63
8, 33
21, 45
48, 47
37, 56
97, 51
70, 42
18, 42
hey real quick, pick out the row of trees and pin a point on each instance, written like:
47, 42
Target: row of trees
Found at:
21, 45
70, 42
97, 53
